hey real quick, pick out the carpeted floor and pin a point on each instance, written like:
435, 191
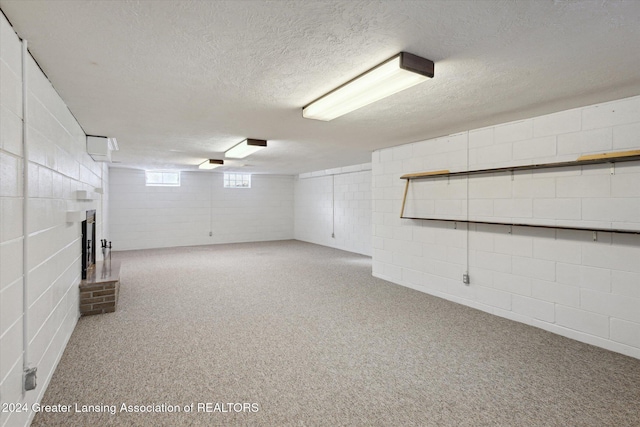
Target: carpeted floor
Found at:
303, 335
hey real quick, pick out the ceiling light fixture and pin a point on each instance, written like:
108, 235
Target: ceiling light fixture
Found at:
211, 164
245, 148
395, 74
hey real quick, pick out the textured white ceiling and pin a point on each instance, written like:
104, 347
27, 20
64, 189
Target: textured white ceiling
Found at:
177, 82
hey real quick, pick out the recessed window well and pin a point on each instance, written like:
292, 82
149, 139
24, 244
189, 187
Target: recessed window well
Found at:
237, 180
162, 178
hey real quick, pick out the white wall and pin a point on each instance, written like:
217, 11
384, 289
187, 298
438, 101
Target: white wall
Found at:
58, 166
335, 201
154, 217
558, 280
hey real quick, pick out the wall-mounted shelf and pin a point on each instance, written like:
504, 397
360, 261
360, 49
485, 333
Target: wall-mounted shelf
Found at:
516, 224
590, 159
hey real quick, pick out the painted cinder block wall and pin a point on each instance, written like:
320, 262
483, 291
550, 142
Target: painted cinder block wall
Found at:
561, 281
335, 202
58, 167
144, 217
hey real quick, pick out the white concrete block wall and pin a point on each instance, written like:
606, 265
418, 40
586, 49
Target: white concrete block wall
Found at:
58, 166
155, 217
558, 280
313, 209
338, 202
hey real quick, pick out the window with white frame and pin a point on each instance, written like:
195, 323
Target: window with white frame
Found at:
237, 180
162, 178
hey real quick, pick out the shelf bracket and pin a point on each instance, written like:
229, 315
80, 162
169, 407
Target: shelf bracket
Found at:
404, 198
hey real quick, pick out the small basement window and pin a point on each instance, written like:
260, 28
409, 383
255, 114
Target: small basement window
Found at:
237, 180
162, 178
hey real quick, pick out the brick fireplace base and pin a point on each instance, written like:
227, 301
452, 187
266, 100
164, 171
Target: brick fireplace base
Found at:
99, 292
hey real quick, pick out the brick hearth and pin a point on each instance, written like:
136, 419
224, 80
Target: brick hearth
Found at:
99, 292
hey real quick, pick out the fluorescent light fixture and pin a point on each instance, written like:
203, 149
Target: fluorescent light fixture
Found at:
211, 164
395, 74
245, 148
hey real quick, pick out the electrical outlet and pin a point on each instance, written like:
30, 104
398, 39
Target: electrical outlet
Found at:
210, 233
465, 279
30, 379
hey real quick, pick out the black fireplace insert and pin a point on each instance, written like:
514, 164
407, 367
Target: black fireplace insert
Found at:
88, 243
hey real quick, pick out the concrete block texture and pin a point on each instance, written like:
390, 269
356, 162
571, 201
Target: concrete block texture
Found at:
581, 285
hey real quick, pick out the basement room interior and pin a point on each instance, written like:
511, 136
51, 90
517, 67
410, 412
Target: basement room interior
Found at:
319, 213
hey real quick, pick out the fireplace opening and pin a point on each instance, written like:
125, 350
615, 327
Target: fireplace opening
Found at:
88, 243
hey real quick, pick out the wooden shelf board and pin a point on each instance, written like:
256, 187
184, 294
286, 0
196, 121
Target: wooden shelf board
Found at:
620, 156
609, 156
424, 174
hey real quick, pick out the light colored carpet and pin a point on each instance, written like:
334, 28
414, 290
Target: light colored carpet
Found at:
307, 334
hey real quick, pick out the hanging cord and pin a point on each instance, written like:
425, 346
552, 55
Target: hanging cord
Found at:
25, 223
467, 282
333, 206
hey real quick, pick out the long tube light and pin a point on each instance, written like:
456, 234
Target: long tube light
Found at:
394, 75
211, 164
245, 148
